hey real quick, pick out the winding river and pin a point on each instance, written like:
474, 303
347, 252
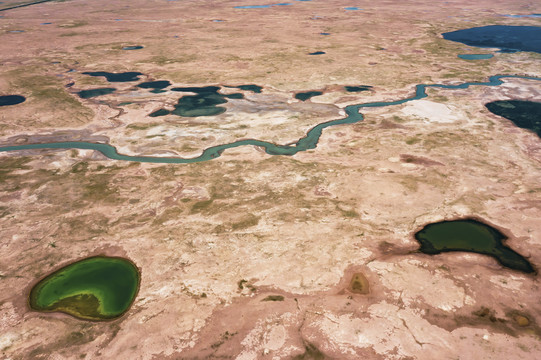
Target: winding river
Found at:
306, 143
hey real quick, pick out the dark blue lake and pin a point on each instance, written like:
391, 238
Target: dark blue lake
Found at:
303, 96
252, 88
506, 37
116, 77
159, 84
524, 114
87, 94
6, 100
357, 88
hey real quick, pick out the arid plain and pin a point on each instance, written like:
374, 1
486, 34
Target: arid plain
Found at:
251, 255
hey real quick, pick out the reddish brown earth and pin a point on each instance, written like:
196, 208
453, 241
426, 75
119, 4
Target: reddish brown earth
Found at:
251, 256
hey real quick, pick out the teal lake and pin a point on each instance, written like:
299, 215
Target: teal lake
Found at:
475, 56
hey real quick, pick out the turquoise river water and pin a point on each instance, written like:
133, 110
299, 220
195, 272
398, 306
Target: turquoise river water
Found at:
309, 141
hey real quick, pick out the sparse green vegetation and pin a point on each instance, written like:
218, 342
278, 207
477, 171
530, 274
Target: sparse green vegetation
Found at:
98, 189
242, 284
171, 213
57, 107
201, 205
141, 126
398, 119
348, 213
247, 222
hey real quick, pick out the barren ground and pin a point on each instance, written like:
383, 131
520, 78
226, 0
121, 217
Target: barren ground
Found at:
213, 240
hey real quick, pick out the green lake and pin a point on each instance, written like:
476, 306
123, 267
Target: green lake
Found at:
96, 288
470, 236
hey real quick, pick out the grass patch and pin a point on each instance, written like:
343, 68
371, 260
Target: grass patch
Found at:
200, 206
141, 126
249, 221
412, 140
56, 106
98, 188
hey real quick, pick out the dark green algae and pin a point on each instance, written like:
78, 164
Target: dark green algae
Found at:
95, 288
470, 235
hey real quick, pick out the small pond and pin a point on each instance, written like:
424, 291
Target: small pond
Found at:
265, 6
96, 288
253, 88
358, 88
475, 56
6, 100
134, 47
87, 94
470, 236
116, 77
524, 16
260, 6
303, 96
159, 84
